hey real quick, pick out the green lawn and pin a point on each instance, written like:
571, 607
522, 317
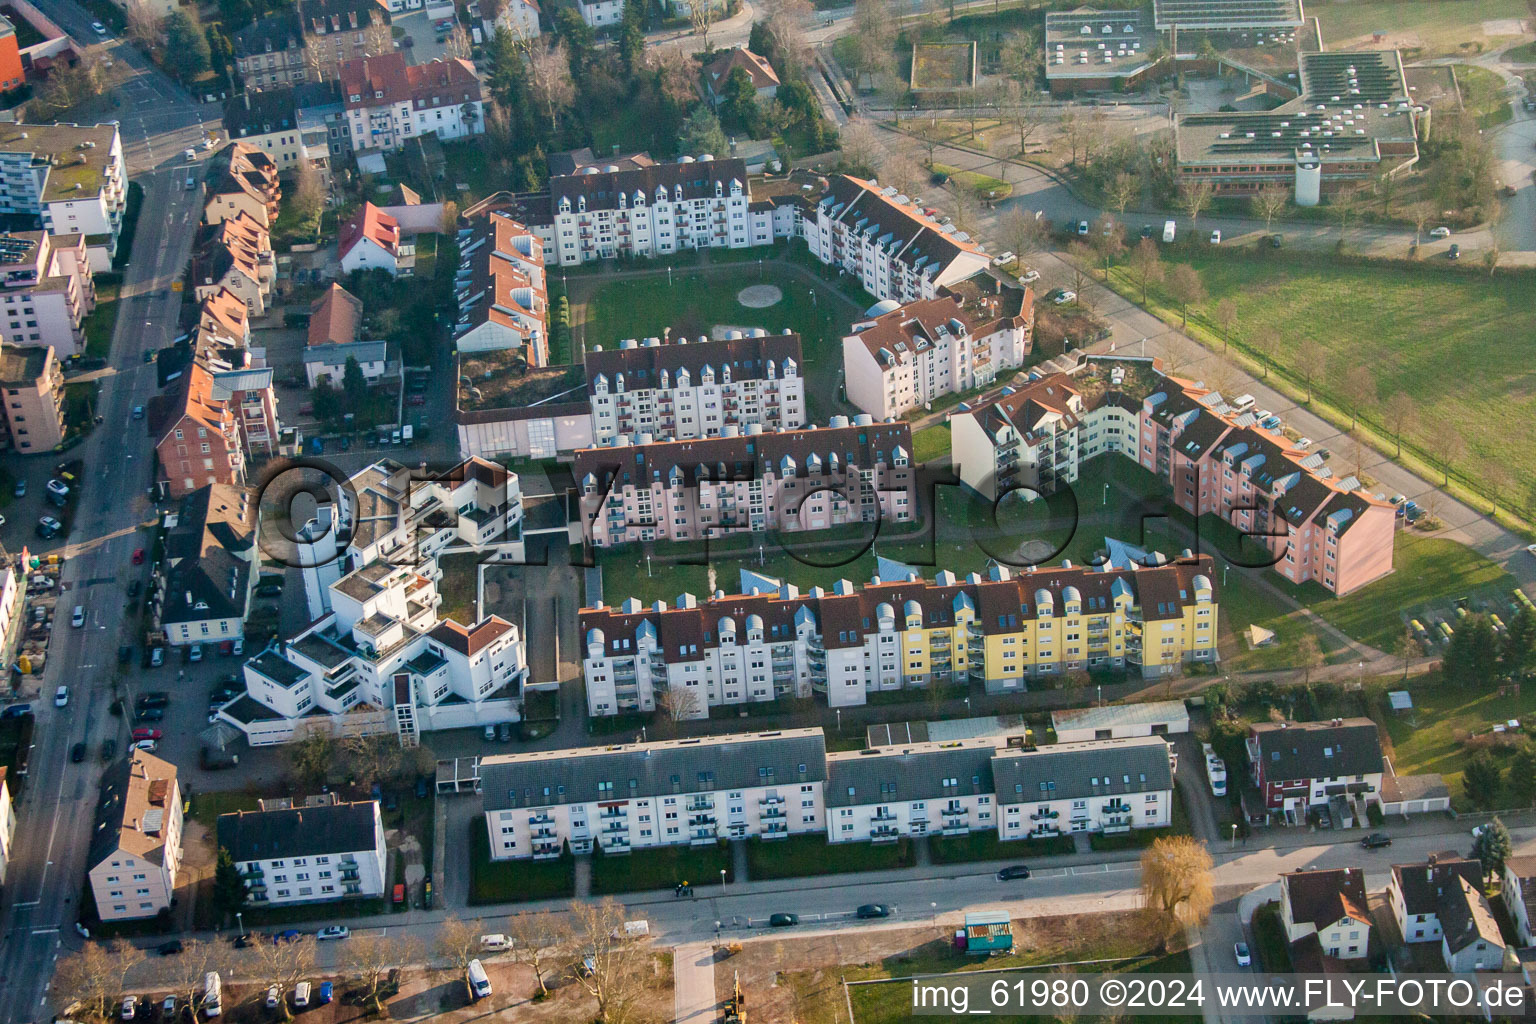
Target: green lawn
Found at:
1428, 27
1141, 838
984, 185
803, 856
662, 867
931, 443
983, 846
1409, 326
1483, 95
1525, 53
303, 913
1430, 738
98, 325
514, 881
206, 807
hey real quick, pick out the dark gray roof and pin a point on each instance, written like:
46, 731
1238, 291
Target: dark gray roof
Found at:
1075, 771
1318, 750
207, 556
259, 113
272, 34
299, 831
641, 770
1425, 886
601, 190
894, 774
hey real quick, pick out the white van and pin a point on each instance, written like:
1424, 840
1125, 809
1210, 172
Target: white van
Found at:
1169, 230
478, 982
1242, 403
495, 943
213, 1004
301, 995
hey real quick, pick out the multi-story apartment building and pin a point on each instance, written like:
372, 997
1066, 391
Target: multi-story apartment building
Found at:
501, 290
234, 255
242, 179
885, 793
846, 643
272, 121
46, 291
241, 378
910, 355
201, 590
672, 388
378, 658
135, 850
310, 42
669, 793
890, 246
196, 436
1215, 460
1107, 786
1518, 893
1298, 766
388, 102
326, 851
748, 482
370, 239
600, 213
1417, 892
33, 383
71, 177
519, 17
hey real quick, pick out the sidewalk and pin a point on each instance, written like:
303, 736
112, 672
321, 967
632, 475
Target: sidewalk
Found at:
693, 983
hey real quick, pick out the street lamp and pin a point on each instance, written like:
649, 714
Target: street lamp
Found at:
967, 706
1106, 494
933, 908
1233, 841
240, 922
717, 931
722, 879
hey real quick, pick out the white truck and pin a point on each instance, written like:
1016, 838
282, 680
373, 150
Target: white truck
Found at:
1169, 230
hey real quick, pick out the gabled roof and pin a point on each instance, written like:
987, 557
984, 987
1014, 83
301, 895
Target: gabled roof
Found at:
190, 402
375, 225
208, 556
235, 244
501, 277
273, 34
341, 15
388, 79
1077, 771
1323, 898
757, 68
300, 831
643, 365
572, 160
245, 168
138, 793
900, 228
695, 179
1466, 917
920, 771
1424, 886
335, 318
471, 640
1316, 750
225, 314
1524, 871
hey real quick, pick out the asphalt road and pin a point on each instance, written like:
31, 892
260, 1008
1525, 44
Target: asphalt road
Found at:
46, 872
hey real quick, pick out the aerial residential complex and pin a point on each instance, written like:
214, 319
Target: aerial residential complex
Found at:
135, 852
1214, 458
748, 481
321, 851
903, 357
847, 643
680, 390
502, 291
771, 785
71, 177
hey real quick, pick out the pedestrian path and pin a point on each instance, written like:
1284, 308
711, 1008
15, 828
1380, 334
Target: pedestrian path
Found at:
693, 983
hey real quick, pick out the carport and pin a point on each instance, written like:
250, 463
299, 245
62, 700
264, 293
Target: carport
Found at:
458, 775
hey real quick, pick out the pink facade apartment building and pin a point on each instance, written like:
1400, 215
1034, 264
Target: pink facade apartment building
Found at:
846, 472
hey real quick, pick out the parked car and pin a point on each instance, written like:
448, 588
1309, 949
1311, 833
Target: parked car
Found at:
873, 910
1376, 840
269, 590
1065, 296
124, 653
1146, 231
790, 920
324, 994
144, 732
1216, 237
1275, 241
156, 657
1244, 958
243, 940
1030, 276
274, 997
77, 753
289, 935
77, 619
130, 1008
504, 732
1454, 252
397, 896
57, 489
421, 780
148, 746
61, 697
150, 714
170, 948
20, 490
99, 29
138, 556
1440, 232
335, 931
195, 653
153, 699
1011, 872
48, 527
168, 1008
490, 734
16, 711
138, 412
1082, 227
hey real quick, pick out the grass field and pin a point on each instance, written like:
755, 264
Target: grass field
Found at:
1483, 95
662, 867
1424, 27
985, 846
1441, 337
984, 185
943, 65
803, 856
931, 443
1430, 738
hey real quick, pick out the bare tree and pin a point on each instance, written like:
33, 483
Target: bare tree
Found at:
458, 44
1080, 259
538, 939
310, 755
1268, 203
1222, 377
549, 79
1499, 483
1492, 254
679, 702
1186, 288
1178, 353
1310, 654
1022, 110
143, 24
1401, 415
184, 973
1386, 188
902, 170
1108, 240
1021, 232
378, 38
372, 759
1225, 316
786, 23
1421, 213
1450, 450
1146, 266
859, 145
674, 69
1122, 190
1176, 884
610, 964
319, 65
448, 225
702, 15
95, 975
1074, 131
370, 955
283, 964
1266, 342
1194, 197
1311, 363
1343, 206
1358, 388
308, 190
1406, 648
458, 942
962, 206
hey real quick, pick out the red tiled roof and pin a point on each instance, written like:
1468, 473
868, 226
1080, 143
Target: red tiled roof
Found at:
335, 317
386, 79
761, 72
373, 224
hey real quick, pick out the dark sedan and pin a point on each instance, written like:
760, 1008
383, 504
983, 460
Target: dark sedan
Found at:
1011, 872
783, 920
873, 910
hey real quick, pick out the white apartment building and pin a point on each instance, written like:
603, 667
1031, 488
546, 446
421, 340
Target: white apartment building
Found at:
1024, 440
669, 793
598, 13
903, 356
72, 177
378, 658
1106, 786
1420, 893
680, 390
389, 102
894, 249
501, 290
1329, 904
328, 851
883, 794
136, 848
46, 291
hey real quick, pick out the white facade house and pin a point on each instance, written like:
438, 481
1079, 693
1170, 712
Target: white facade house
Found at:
1416, 893
1104, 786
1471, 940
327, 851
1519, 895
1117, 721
201, 590
330, 361
520, 17
684, 390
370, 240
888, 793
669, 793
378, 658
598, 13
72, 177
135, 850
1331, 905
388, 103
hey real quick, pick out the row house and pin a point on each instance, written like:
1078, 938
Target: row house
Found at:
274, 121
196, 436
370, 239
691, 792
1104, 786
221, 344
201, 589
846, 643
242, 180
799, 480
46, 291
71, 177
135, 854
672, 388
33, 383
389, 102
235, 256
1441, 901
918, 352
310, 42
319, 852
1296, 767
884, 794
1330, 907
501, 290
889, 244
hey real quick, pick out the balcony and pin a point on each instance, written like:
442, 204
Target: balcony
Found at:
884, 816
937, 640
701, 803
772, 812
771, 801
613, 827
545, 851
884, 834
774, 830
701, 821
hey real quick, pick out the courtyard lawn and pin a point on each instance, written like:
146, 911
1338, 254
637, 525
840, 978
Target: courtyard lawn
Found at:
514, 881
1440, 335
1431, 738
662, 867
803, 856
1483, 95
207, 806
931, 443
1422, 28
